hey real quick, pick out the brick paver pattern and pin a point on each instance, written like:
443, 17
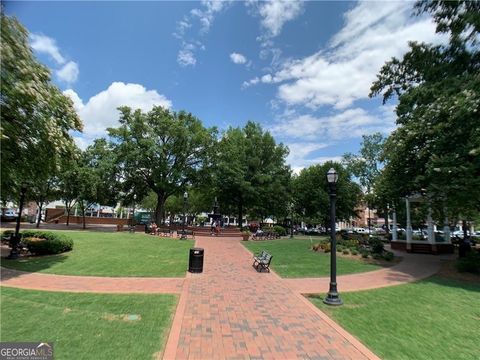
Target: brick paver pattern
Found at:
232, 312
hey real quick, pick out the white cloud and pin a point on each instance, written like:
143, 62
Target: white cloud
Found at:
68, 72
186, 57
338, 76
81, 142
238, 58
351, 123
266, 78
46, 45
276, 13
205, 16
250, 82
100, 111
298, 156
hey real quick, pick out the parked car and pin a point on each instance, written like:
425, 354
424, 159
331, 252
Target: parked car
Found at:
9, 215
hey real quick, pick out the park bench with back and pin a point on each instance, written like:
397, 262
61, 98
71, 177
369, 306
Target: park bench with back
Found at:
262, 261
188, 233
266, 235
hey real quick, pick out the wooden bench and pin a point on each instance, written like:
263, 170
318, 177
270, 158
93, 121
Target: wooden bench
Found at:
262, 261
187, 233
265, 236
165, 232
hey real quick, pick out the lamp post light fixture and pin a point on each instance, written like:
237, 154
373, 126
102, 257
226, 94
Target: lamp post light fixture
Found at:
333, 297
15, 238
185, 197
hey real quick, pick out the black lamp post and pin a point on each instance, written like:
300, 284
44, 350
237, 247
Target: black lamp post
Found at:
291, 220
133, 213
185, 197
15, 239
332, 297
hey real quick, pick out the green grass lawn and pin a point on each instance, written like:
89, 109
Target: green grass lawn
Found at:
292, 258
88, 326
430, 319
113, 254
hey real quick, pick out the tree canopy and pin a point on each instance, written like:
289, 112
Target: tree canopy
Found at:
311, 192
36, 117
160, 150
436, 146
251, 173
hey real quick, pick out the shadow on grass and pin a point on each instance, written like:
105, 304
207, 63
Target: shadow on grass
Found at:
29, 264
452, 283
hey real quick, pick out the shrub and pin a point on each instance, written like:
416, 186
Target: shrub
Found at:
340, 248
365, 255
5, 237
376, 245
317, 247
388, 255
343, 235
46, 243
279, 230
354, 252
350, 243
470, 263
326, 247
345, 252
377, 256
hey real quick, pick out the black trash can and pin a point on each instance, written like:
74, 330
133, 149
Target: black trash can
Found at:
195, 262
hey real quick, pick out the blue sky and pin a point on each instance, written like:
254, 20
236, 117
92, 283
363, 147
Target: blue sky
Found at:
301, 69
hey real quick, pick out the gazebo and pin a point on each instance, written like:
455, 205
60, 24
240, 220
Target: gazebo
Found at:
433, 244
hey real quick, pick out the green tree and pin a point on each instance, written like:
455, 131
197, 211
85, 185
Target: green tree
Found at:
96, 177
366, 166
69, 182
36, 117
43, 192
311, 192
436, 146
162, 151
251, 173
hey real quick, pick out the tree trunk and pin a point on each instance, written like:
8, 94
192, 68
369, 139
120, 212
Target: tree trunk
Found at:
464, 227
69, 209
240, 214
83, 215
464, 244
40, 205
386, 221
161, 198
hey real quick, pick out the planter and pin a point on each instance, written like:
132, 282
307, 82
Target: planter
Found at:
245, 237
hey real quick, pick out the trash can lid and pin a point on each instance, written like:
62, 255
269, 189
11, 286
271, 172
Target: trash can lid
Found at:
196, 249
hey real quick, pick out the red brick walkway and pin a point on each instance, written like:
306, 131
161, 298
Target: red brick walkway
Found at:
232, 312
411, 268
50, 282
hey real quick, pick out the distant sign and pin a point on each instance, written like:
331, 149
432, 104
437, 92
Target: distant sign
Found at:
143, 217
